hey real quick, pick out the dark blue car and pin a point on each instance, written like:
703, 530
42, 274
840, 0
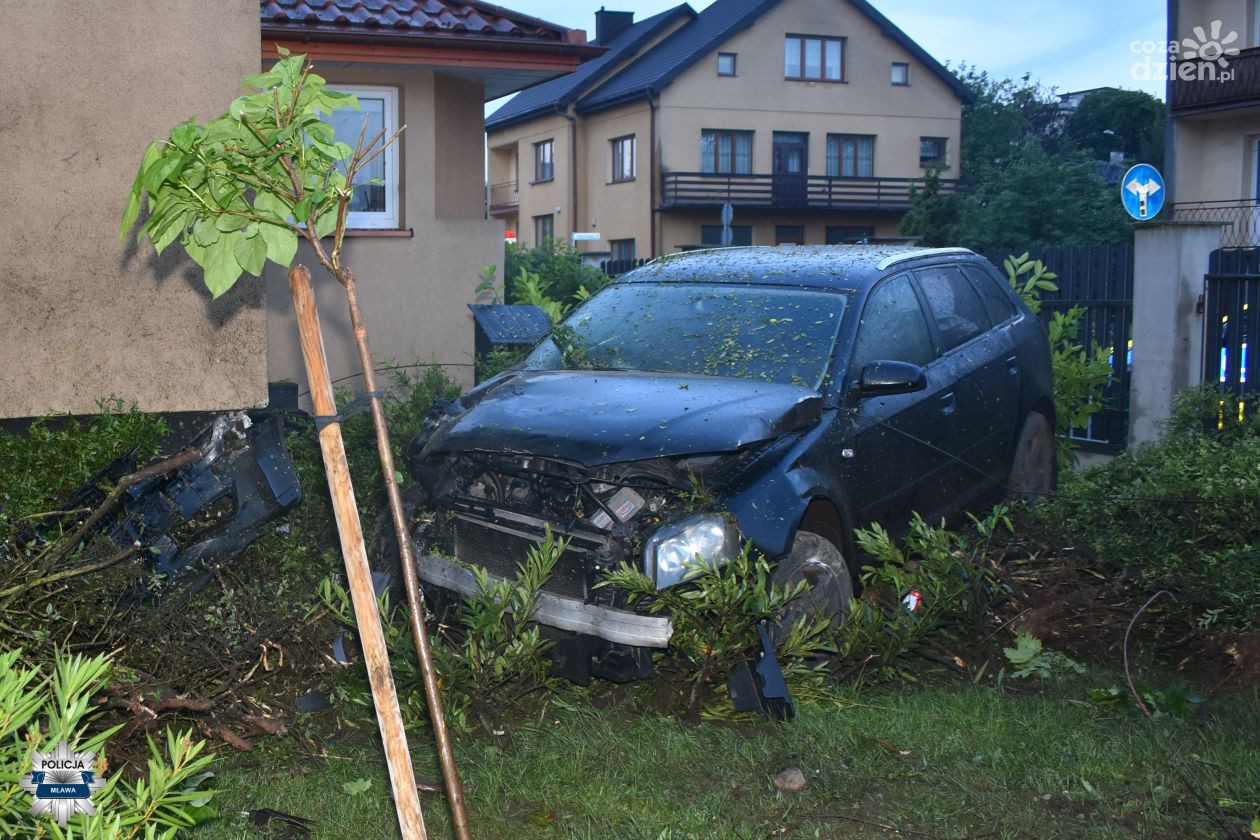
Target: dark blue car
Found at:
806, 391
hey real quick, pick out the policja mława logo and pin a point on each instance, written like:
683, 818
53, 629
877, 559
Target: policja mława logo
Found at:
62, 782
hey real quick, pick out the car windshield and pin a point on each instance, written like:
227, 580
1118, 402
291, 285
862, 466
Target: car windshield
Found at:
772, 333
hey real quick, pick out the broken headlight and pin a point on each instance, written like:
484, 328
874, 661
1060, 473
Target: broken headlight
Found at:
710, 536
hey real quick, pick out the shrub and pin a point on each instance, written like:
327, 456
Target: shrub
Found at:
1182, 513
558, 268
716, 614
38, 711
948, 571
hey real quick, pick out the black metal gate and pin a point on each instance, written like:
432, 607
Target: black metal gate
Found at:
1100, 279
1231, 323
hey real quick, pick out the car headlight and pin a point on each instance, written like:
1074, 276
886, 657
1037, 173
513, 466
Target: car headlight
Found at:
669, 552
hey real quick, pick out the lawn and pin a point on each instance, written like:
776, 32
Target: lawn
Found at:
944, 761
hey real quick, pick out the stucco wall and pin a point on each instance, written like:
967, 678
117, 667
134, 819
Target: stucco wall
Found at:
414, 289
1216, 156
616, 210
86, 87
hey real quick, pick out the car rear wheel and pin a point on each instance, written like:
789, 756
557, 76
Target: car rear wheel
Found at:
1033, 469
828, 585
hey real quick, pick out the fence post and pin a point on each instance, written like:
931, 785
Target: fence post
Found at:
1169, 263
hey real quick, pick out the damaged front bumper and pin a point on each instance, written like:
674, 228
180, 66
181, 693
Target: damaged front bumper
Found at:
607, 623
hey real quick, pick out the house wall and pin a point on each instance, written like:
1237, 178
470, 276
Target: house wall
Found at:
414, 289
81, 317
1216, 156
516, 143
616, 210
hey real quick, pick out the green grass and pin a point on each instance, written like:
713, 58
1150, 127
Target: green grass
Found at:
940, 762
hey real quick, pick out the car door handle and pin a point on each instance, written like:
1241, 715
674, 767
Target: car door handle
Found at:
1012, 365
948, 404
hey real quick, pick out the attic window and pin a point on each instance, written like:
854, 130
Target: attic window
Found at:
900, 73
812, 58
726, 64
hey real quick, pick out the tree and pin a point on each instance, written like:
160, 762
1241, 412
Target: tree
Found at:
241, 190
1024, 181
1109, 120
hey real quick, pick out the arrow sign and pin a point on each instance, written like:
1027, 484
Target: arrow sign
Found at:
1142, 191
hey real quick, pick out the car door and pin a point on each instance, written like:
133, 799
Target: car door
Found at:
973, 363
894, 458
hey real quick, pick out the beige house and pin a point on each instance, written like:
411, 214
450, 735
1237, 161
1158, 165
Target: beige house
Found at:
811, 119
1213, 149
89, 84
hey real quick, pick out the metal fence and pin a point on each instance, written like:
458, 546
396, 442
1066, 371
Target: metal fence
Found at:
1232, 323
613, 268
1100, 279
1240, 220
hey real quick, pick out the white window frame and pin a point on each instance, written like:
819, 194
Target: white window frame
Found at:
619, 144
390, 218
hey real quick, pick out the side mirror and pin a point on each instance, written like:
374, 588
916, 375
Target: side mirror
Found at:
884, 378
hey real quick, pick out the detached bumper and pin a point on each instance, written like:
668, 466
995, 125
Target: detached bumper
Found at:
606, 623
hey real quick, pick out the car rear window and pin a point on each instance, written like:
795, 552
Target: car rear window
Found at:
1001, 307
959, 313
772, 333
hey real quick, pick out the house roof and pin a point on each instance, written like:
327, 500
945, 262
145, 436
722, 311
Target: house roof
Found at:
711, 28
566, 89
409, 19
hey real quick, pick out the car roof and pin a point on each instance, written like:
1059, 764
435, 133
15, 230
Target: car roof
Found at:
850, 267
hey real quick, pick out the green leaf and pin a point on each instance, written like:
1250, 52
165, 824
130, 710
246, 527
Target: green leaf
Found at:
230, 221
326, 222
184, 134
281, 243
357, 787
170, 163
222, 269
205, 231
270, 204
302, 210
251, 254
130, 213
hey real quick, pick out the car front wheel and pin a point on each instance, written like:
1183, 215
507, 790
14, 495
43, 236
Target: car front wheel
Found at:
1033, 469
828, 584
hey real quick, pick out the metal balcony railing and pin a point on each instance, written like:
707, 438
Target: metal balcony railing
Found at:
681, 190
1200, 87
504, 198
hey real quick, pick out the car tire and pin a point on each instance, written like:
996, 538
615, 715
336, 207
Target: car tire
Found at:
382, 547
821, 564
1034, 468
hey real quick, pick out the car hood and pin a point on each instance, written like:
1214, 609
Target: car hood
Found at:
602, 417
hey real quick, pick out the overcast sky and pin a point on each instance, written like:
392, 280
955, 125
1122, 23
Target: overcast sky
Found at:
1065, 44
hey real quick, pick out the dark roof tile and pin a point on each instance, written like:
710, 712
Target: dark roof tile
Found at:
429, 16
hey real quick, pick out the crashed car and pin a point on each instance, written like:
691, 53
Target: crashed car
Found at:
780, 396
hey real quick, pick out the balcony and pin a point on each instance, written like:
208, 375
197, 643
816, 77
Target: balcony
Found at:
1197, 90
504, 199
699, 190
1239, 220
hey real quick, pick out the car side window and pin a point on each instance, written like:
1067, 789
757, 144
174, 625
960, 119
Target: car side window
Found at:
893, 327
959, 313
996, 299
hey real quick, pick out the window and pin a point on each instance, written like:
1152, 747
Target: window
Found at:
893, 327
789, 235
728, 152
544, 161
851, 155
373, 205
959, 314
726, 64
900, 73
623, 159
622, 255
995, 292
711, 235
931, 152
848, 234
819, 59
544, 229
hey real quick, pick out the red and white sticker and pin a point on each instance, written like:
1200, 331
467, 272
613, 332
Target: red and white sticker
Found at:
913, 600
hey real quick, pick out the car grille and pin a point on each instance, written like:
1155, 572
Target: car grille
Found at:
499, 552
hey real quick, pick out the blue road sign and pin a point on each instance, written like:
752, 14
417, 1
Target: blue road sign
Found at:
1142, 191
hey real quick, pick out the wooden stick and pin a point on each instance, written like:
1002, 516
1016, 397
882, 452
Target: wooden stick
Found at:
411, 583
367, 616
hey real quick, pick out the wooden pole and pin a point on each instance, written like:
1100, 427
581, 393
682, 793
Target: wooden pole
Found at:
358, 573
411, 583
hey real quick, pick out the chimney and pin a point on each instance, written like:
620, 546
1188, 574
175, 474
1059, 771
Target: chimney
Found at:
608, 25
